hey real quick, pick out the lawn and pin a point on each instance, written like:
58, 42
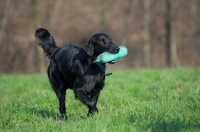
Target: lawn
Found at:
163, 100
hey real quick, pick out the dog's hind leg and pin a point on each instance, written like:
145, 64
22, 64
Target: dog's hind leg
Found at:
59, 86
61, 97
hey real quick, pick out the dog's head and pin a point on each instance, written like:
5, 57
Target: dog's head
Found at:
100, 43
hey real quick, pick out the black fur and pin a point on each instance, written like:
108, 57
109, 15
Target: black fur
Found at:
72, 67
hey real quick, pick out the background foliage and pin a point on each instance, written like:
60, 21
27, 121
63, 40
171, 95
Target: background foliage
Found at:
161, 24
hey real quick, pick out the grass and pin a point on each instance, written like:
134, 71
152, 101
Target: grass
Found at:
163, 100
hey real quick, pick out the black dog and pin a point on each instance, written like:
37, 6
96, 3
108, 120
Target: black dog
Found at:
72, 67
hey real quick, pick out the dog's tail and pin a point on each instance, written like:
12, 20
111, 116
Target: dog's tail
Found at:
45, 40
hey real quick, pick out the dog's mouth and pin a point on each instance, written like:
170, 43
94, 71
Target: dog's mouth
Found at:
115, 51
112, 62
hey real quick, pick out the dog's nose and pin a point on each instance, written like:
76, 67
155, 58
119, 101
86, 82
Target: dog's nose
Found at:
117, 50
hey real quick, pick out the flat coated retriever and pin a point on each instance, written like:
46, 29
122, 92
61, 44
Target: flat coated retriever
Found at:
72, 67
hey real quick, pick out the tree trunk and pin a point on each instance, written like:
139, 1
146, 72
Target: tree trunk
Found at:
40, 57
4, 20
126, 22
146, 33
102, 15
171, 47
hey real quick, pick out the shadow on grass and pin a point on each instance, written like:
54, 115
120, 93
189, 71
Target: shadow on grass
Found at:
47, 114
44, 113
163, 126
172, 126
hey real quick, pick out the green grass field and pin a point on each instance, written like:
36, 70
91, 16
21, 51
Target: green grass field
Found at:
163, 100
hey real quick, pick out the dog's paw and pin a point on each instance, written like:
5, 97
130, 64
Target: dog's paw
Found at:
63, 117
93, 111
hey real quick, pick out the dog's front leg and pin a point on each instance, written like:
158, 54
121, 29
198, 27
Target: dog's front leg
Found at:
94, 109
83, 97
90, 102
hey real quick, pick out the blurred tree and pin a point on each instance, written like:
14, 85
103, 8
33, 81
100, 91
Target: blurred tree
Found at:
171, 46
4, 20
146, 33
126, 15
193, 6
126, 21
102, 15
49, 13
40, 57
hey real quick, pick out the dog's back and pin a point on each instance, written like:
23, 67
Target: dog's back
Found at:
67, 58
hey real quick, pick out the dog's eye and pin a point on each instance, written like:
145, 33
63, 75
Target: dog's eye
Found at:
103, 41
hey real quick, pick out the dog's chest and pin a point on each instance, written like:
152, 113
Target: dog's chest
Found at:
95, 84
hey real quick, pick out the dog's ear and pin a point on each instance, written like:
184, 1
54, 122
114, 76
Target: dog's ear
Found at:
90, 47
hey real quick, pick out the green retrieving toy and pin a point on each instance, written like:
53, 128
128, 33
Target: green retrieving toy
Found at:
107, 57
